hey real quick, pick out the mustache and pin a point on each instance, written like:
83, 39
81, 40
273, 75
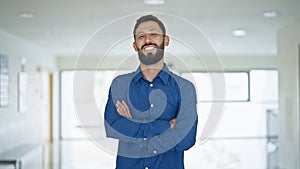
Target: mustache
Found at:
149, 44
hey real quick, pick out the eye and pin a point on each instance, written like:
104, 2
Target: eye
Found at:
154, 34
140, 36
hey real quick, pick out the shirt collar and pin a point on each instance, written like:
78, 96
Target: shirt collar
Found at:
164, 75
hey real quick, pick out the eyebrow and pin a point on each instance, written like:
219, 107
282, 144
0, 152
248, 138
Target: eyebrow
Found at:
152, 29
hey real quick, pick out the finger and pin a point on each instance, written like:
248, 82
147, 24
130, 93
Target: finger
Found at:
120, 110
122, 106
127, 109
172, 123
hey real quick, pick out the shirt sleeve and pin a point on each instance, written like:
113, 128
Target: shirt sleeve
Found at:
183, 135
122, 128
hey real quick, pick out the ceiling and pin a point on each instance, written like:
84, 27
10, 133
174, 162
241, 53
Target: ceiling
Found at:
65, 27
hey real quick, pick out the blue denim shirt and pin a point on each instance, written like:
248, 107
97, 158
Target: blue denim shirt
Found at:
146, 140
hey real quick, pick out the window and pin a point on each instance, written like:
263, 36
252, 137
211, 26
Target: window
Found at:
236, 85
264, 85
242, 138
71, 128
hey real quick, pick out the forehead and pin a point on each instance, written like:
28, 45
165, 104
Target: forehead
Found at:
148, 26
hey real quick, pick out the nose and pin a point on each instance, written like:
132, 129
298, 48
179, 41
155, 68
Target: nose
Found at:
148, 38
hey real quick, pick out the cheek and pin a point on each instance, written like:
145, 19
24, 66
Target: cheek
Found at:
137, 46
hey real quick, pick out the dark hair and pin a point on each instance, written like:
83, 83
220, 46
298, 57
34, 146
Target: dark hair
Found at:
149, 18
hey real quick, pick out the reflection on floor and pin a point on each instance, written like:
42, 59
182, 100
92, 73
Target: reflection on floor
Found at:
78, 154
214, 154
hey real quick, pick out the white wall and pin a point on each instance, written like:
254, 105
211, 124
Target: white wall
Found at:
17, 128
288, 51
228, 63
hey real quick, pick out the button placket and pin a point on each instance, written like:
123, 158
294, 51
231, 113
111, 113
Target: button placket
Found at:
151, 88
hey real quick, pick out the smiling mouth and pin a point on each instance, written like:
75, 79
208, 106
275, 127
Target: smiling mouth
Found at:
149, 48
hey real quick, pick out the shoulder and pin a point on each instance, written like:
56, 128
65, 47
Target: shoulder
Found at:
122, 82
123, 78
120, 86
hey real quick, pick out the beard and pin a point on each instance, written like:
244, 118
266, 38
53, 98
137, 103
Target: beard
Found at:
151, 58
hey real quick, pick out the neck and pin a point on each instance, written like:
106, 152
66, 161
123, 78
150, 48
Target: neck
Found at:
151, 71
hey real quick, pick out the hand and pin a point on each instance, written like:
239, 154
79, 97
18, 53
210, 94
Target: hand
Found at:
123, 109
172, 123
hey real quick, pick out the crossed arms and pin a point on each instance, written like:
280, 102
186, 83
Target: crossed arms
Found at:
123, 110
177, 134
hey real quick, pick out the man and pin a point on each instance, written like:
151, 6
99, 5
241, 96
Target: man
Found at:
152, 112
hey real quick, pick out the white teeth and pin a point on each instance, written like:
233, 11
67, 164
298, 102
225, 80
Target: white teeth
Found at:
149, 48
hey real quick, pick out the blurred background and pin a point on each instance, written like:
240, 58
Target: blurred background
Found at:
49, 119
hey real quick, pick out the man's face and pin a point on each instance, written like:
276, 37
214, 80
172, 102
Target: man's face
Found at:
150, 42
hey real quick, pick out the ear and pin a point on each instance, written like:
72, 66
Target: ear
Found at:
134, 46
167, 40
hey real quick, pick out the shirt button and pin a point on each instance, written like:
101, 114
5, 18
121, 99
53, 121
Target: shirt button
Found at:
145, 139
151, 85
141, 145
151, 105
154, 152
146, 167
